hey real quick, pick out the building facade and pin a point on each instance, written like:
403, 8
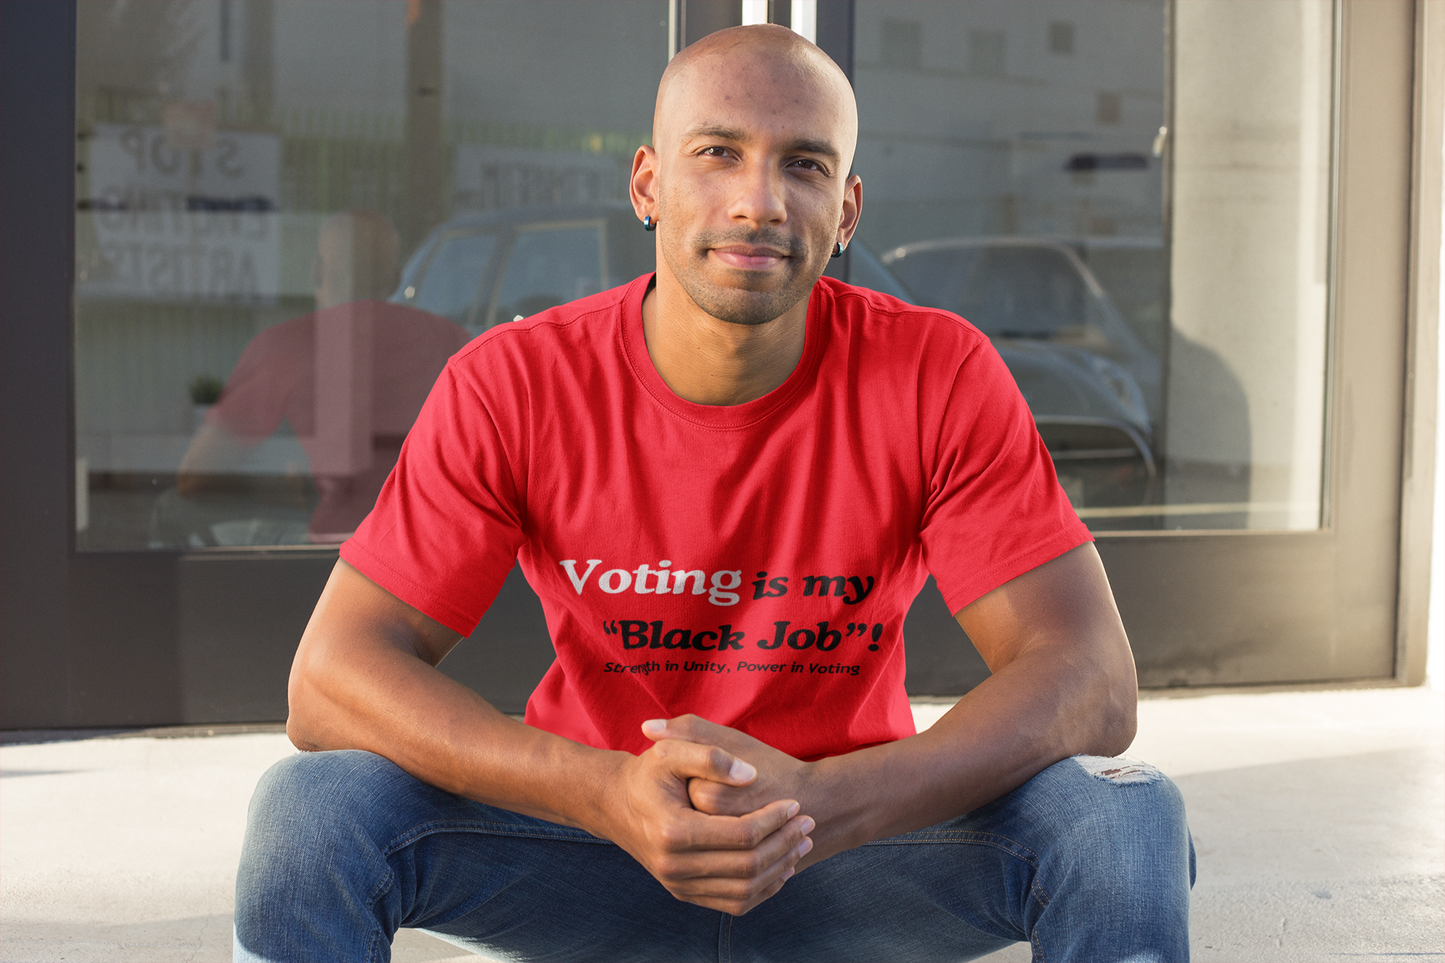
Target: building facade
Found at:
1203, 235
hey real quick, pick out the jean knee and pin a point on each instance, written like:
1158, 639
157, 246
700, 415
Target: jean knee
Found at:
1129, 815
1128, 789
319, 802
315, 849
301, 787
1116, 817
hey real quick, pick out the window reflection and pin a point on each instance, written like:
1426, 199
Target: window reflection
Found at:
488, 269
1014, 160
349, 379
449, 282
227, 393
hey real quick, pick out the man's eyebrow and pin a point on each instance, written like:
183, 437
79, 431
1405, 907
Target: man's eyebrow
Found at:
714, 130
805, 144
815, 147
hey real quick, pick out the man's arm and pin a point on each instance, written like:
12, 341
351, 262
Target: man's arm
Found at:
1063, 683
364, 677
211, 452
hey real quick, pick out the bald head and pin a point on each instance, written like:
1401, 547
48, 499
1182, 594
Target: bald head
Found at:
759, 52
357, 257
746, 180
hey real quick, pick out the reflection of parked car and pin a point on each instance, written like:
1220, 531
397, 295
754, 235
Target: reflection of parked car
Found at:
1132, 272
1088, 407
1099, 438
484, 269
1027, 289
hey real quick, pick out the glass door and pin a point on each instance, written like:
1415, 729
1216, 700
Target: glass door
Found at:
286, 220
1151, 209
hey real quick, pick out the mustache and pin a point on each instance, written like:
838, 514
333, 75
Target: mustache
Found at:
771, 238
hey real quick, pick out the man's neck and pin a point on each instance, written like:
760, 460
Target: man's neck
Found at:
712, 362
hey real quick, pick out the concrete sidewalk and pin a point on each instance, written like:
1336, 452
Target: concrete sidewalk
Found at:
1318, 816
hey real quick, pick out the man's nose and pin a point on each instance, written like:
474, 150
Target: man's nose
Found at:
759, 197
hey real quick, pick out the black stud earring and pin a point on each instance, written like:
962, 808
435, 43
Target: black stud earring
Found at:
837, 249
648, 224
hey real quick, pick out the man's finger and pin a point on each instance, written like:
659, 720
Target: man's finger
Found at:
694, 728
735, 882
696, 831
757, 826
687, 727
778, 850
689, 760
717, 799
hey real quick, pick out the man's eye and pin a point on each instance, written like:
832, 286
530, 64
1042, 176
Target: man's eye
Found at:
808, 163
714, 152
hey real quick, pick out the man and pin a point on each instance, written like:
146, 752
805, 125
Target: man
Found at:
349, 377
724, 483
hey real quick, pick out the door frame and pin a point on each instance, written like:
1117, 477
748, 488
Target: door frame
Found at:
1420, 483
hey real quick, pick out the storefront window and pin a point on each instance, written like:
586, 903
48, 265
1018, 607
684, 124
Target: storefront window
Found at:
290, 215
1154, 275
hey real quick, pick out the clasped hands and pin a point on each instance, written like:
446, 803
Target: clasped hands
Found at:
714, 814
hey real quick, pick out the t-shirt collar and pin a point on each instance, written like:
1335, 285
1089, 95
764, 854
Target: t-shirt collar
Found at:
634, 346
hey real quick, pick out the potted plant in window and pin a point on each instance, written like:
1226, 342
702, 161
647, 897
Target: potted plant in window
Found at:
204, 389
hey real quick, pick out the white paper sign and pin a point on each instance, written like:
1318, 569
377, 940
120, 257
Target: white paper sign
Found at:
487, 178
181, 225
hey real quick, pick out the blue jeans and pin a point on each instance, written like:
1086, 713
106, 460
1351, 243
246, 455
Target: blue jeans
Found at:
1090, 860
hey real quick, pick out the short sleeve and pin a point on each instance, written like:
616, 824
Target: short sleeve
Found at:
994, 507
447, 525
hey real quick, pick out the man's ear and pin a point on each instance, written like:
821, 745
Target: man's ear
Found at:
852, 208
643, 185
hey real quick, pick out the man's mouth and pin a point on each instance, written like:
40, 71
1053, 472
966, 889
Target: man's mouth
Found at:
750, 250
749, 257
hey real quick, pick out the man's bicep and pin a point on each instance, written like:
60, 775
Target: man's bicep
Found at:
354, 610
362, 648
1064, 601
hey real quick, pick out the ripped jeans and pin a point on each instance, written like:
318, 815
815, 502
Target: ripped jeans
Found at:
1090, 860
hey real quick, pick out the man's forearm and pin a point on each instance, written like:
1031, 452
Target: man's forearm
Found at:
356, 686
1063, 684
725, 863
1014, 725
440, 732
364, 678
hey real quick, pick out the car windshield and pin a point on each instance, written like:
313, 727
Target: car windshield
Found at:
550, 266
1008, 291
453, 274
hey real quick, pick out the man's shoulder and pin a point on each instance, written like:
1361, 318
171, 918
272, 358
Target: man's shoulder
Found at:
586, 325
890, 330
884, 314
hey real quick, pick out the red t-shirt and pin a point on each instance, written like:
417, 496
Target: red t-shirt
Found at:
751, 563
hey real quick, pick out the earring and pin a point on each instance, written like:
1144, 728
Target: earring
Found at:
837, 249
648, 224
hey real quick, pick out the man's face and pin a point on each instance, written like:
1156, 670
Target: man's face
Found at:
752, 158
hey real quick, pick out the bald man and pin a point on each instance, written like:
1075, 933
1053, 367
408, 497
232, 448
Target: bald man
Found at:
726, 482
